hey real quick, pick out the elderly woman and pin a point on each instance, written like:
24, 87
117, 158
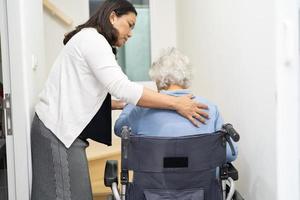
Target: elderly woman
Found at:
172, 75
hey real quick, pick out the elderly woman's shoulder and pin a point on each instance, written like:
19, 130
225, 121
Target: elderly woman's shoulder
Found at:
211, 105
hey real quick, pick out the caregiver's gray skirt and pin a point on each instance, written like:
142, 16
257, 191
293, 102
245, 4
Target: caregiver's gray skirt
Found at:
58, 173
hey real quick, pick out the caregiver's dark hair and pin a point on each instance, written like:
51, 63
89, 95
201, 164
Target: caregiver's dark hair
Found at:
100, 20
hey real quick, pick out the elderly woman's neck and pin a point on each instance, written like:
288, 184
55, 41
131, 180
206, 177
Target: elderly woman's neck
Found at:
175, 87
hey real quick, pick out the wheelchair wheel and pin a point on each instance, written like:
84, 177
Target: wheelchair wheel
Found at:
237, 196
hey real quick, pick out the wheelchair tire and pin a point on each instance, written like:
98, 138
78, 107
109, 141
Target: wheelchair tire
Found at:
237, 196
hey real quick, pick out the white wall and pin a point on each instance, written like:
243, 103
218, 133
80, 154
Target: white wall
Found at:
162, 25
233, 49
55, 29
287, 74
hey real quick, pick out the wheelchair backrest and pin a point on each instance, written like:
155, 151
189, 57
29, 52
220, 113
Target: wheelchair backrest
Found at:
170, 154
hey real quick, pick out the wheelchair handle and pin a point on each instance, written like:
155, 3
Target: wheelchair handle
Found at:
231, 131
125, 134
125, 140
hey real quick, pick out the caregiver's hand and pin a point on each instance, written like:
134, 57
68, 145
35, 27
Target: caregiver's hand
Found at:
191, 109
117, 104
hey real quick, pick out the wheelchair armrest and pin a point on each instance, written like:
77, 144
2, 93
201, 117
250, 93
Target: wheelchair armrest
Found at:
111, 173
232, 172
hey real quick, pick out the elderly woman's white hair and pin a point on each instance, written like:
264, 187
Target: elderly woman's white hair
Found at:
171, 68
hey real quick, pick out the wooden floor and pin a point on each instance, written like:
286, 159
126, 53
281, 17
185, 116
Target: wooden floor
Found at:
104, 197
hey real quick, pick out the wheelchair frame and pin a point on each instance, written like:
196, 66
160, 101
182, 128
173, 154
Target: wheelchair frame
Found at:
228, 174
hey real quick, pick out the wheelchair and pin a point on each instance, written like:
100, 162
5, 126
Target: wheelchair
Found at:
174, 168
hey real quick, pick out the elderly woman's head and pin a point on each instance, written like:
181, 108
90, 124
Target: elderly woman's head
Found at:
171, 68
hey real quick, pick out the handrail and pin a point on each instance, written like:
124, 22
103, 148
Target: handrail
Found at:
54, 10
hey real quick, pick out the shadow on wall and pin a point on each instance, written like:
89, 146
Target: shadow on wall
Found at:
257, 187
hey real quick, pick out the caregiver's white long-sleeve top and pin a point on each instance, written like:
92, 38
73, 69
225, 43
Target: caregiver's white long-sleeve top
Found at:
82, 75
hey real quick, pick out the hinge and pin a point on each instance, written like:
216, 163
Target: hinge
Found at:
7, 114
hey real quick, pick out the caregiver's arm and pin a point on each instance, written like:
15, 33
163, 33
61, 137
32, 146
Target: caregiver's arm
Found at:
184, 105
125, 120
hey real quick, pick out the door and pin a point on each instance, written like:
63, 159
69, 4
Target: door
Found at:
7, 168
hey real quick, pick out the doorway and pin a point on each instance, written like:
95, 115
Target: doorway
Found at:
7, 169
3, 162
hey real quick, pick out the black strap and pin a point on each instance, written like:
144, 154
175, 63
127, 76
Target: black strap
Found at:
99, 128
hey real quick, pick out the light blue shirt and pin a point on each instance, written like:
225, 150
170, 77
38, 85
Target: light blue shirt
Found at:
160, 122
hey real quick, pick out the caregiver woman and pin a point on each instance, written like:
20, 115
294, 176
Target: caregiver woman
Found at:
75, 103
